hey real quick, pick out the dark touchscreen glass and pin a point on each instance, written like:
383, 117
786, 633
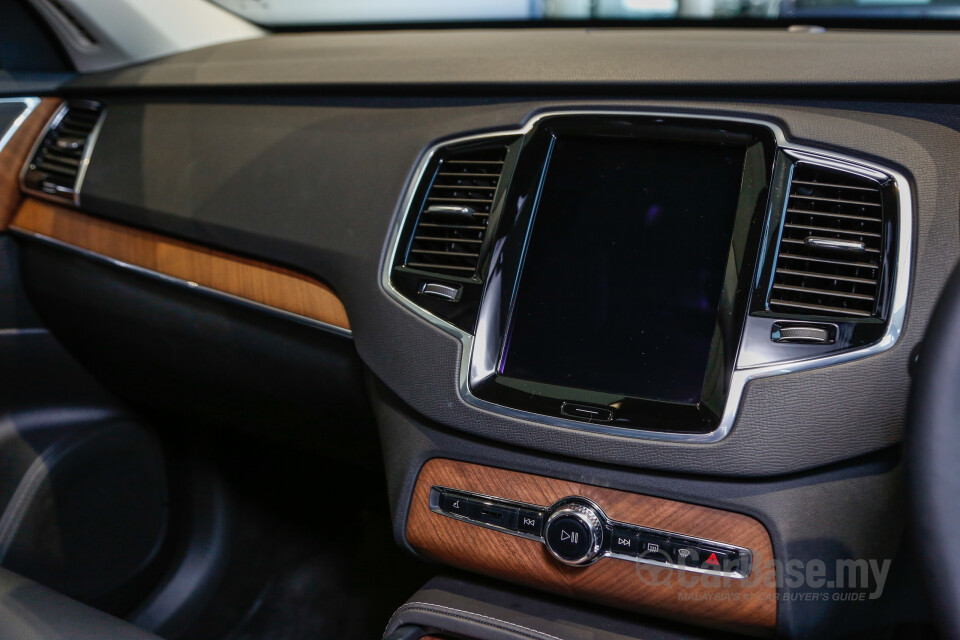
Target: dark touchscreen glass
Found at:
621, 282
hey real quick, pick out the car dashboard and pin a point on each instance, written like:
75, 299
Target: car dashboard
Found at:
470, 256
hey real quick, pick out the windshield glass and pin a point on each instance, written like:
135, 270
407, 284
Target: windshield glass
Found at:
281, 13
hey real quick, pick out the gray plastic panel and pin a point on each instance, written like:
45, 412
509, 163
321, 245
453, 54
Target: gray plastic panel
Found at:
315, 184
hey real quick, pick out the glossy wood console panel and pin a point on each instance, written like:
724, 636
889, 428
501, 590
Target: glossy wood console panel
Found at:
747, 606
14, 154
257, 282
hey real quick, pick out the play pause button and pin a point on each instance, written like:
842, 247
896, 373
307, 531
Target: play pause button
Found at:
569, 537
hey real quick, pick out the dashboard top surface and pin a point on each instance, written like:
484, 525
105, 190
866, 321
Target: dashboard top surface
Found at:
548, 59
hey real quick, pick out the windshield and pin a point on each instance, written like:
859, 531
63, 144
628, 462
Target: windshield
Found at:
286, 13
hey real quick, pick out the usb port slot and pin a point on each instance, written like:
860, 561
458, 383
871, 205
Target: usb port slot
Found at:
505, 517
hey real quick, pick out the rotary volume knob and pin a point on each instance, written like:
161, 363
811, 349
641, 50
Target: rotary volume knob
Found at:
573, 534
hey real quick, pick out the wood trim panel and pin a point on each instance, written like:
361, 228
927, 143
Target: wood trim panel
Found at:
258, 282
745, 606
14, 155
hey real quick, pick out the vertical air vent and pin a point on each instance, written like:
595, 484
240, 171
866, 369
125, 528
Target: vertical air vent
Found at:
831, 254
58, 164
453, 219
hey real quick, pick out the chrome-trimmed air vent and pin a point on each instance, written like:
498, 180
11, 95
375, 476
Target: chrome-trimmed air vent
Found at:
58, 164
833, 246
452, 223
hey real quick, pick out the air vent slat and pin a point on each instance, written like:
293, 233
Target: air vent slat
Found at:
836, 200
823, 276
448, 237
56, 165
461, 200
434, 267
824, 292
489, 162
463, 227
867, 234
464, 188
842, 216
66, 161
794, 241
829, 261
844, 263
822, 308
433, 252
455, 174
82, 118
831, 186
79, 132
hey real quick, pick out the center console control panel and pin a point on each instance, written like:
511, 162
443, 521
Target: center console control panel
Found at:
576, 532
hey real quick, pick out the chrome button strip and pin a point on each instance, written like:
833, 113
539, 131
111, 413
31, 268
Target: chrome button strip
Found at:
607, 526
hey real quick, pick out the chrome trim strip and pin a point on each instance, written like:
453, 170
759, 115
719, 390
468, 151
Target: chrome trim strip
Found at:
451, 209
87, 153
30, 331
29, 104
193, 286
606, 523
84, 159
740, 376
832, 243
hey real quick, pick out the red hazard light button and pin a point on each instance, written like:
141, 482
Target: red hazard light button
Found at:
717, 560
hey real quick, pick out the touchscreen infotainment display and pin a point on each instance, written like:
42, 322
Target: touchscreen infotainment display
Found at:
621, 282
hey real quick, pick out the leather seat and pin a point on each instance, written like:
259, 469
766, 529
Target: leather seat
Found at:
29, 611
